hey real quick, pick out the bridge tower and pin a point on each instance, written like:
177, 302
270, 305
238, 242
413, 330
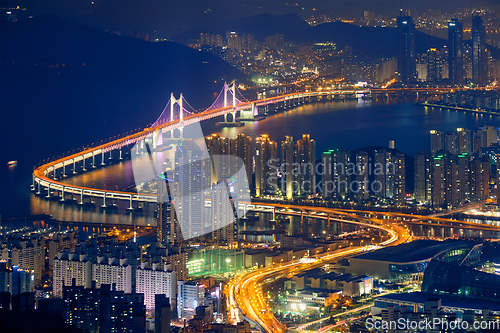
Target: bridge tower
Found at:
231, 89
174, 101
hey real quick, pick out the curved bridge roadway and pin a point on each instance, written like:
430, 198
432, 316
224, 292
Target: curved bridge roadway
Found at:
45, 176
244, 293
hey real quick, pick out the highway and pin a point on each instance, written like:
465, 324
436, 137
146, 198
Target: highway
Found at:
245, 295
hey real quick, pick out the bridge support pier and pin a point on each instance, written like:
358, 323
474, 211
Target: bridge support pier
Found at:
48, 191
83, 161
121, 158
93, 159
81, 197
104, 201
38, 188
62, 194
64, 170
103, 156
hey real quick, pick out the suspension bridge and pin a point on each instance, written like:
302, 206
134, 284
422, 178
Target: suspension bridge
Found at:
49, 178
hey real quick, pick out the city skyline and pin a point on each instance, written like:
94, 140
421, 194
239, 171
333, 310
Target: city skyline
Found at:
249, 166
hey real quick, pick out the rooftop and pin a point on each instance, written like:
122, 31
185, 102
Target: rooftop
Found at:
446, 301
415, 251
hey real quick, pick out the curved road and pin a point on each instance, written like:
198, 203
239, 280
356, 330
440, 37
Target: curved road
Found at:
244, 294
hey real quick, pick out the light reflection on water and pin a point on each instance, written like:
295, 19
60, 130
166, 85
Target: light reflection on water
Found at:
348, 125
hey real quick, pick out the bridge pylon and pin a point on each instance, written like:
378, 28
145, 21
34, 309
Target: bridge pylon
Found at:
174, 101
231, 89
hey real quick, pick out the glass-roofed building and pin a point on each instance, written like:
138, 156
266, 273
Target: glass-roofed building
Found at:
452, 280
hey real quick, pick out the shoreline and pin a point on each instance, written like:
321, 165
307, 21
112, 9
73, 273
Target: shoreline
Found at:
458, 108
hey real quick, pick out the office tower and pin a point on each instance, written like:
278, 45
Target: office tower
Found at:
407, 71
266, 162
224, 229
288, 158
423, 176
190, 295
362, 190
479, 61
69, 266
190, 180
455, 51
437, 141
479, 178
113, 271
163, 314
464, 141
306, 157
434, 65
154, 281
103, 310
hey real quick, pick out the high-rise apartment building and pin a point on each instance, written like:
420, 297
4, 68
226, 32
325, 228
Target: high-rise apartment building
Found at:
69, 267
224, 228
266, 165
154, 281
362, 188
103, 310
479, 178
306, 158
112, 271
234, 41
423, 176
288, 158
437, 141
336, 175
191, 177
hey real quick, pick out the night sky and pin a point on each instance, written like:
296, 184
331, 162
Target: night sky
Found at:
169, 17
